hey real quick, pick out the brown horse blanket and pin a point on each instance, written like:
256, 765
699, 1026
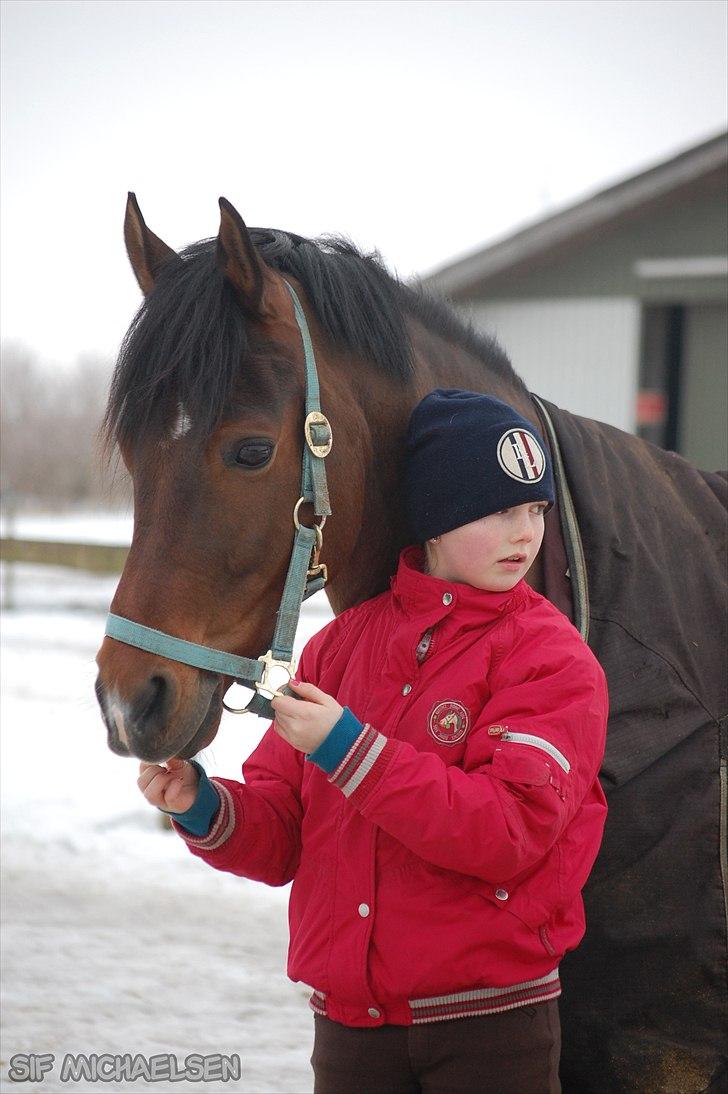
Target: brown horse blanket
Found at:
644, 1007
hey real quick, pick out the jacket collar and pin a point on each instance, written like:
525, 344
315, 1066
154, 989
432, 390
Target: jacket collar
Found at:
422, 594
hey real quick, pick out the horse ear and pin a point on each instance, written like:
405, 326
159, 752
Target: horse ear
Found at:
238, 259
147, 252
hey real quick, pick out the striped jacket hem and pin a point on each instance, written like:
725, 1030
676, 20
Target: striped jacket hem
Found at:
467, 1004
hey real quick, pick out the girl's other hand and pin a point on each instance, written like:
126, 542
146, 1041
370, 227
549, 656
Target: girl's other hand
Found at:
306, 721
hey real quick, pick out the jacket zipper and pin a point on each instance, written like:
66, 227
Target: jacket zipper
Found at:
539, 742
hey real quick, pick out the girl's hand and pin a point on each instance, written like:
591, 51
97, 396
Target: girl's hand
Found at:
172, 787
306, 721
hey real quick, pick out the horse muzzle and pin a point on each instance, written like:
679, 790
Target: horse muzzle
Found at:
169, 713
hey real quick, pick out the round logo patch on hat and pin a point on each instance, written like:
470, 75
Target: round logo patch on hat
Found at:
521, 457
449, 722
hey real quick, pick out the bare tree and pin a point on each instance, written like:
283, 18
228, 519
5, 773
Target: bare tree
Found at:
49, 445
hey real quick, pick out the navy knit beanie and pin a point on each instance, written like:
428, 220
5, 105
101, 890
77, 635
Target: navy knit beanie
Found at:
469, 455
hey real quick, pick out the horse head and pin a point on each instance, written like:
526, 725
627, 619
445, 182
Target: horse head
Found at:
207, 410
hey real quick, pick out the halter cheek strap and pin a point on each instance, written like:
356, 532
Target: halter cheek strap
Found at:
306, 575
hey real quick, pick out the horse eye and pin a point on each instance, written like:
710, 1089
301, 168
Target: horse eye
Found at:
254, 454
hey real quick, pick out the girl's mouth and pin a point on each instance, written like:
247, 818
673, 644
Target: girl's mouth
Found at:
512, 563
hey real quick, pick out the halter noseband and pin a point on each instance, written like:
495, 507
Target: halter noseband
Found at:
306, 575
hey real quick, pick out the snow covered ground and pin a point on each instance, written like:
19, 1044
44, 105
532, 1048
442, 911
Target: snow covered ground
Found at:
90, 527
115, 940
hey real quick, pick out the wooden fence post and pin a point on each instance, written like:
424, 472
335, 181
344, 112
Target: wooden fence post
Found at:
9, 513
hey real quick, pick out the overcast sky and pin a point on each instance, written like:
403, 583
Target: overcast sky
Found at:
422, 129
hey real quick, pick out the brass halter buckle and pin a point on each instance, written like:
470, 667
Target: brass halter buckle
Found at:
317, 418
268, 687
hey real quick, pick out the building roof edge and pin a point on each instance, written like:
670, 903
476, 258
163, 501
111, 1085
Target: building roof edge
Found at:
600, 207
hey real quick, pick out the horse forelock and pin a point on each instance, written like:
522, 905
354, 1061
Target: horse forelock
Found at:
190, 342
183, 350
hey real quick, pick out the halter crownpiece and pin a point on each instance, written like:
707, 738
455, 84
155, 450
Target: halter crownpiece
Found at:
306, 575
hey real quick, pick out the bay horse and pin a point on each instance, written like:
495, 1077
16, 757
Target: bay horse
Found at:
207, 409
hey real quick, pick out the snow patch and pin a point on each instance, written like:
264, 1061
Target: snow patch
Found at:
116, 939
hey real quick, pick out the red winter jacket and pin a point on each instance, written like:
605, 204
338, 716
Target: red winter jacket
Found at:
437, 872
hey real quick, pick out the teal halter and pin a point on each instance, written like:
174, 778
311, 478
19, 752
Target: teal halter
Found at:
306, 575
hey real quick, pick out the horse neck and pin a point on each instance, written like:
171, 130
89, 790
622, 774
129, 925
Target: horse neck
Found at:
363, 544
442, 364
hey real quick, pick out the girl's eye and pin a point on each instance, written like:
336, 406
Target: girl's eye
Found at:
254, 454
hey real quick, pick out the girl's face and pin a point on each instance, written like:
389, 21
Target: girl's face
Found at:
492, 553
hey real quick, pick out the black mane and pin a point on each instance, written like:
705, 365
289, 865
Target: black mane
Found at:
185, 344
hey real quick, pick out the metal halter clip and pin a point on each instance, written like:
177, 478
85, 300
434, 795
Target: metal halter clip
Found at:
316, 568
318, 527
316, 418
266, 686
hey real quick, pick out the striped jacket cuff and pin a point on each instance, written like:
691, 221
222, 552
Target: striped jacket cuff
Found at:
335, 746
363, 765
222, 827
198, 818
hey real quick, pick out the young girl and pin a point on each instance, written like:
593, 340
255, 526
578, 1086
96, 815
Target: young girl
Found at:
432, 791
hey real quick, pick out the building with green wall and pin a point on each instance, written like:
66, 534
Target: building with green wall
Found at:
616, 307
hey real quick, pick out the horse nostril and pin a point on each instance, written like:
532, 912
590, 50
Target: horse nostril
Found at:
151, 705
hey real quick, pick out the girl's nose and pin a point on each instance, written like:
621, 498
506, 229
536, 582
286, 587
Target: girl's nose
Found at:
524, 530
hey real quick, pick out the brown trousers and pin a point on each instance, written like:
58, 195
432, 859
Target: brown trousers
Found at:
514, 1052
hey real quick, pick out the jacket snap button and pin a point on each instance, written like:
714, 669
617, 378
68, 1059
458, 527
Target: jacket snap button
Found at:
374, 1013
406, 689
447, 598
363, 910
502, 894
